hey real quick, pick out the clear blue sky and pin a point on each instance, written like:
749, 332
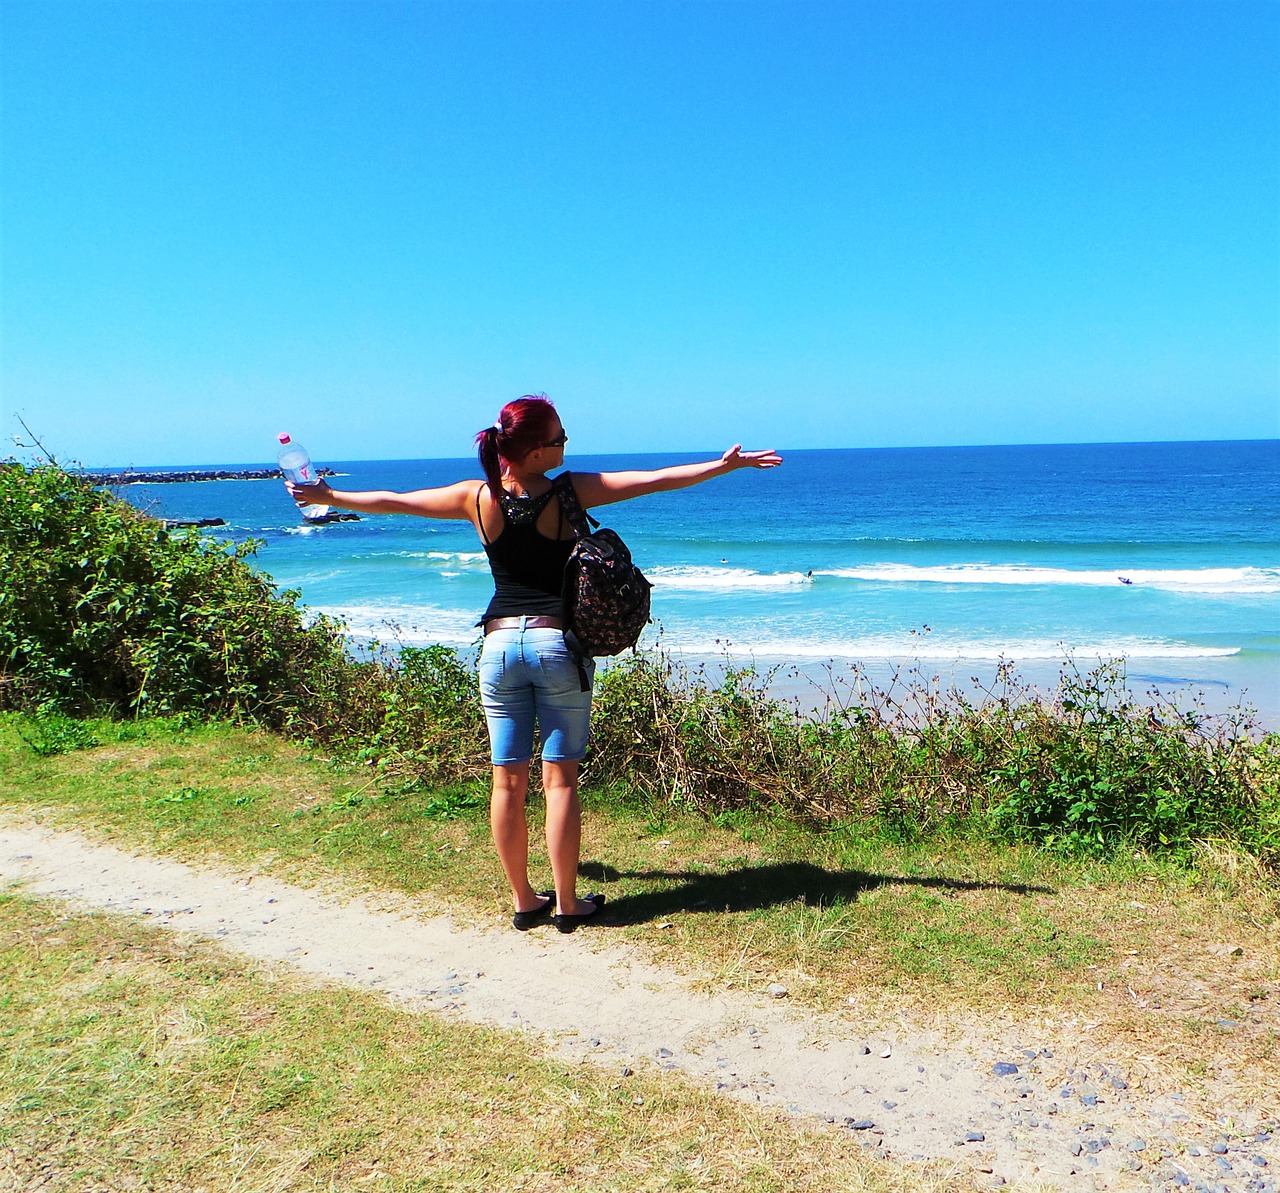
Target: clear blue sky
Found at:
799, 224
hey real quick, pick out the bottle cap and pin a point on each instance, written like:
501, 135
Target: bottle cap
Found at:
283, 437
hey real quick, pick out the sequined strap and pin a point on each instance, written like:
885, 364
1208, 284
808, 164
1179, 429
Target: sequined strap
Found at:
520, 511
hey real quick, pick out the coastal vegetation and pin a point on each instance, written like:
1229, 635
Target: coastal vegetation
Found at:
103, 611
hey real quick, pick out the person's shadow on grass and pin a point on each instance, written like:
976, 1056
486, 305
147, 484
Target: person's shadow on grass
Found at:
751, 887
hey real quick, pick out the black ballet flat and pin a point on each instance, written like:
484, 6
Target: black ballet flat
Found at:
522, 921
567, 923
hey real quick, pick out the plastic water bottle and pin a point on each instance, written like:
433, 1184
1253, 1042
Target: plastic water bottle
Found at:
296, 466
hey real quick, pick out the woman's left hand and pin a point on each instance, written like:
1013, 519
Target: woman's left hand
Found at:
735, 457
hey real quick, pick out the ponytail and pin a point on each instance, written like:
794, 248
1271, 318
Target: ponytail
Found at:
491, 457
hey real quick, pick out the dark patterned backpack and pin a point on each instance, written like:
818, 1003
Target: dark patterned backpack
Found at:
606, 597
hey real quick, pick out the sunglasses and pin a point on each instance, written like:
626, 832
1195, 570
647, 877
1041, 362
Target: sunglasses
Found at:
560, 440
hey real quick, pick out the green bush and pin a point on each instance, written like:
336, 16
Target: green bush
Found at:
103, 609
1085, 770
415, 715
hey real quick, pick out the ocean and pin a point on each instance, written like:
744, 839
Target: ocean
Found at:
949, 560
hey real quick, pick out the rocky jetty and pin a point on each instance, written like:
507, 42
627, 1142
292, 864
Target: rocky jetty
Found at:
129, 476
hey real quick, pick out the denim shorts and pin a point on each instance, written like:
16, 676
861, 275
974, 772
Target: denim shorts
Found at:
530, 676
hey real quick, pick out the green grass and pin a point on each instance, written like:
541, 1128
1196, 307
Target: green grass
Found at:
130, 1058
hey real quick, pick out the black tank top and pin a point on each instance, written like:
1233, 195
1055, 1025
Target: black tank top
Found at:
527, 567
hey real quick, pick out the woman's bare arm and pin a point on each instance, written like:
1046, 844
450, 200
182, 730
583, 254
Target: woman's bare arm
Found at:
451, 501
604, 488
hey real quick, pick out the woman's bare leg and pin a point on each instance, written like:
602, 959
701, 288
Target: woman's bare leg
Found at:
564, 835
511, 831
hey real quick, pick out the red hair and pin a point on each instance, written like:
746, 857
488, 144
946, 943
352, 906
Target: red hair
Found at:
523, 426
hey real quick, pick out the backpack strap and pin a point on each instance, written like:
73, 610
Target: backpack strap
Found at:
581, 521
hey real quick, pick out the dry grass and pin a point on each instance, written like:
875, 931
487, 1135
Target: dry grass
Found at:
132, 1059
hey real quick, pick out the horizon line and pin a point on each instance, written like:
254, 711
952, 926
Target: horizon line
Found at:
470, 456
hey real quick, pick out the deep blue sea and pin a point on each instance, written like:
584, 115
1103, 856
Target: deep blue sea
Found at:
1165, 555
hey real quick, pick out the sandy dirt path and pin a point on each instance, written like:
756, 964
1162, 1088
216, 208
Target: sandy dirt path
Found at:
1003, 1110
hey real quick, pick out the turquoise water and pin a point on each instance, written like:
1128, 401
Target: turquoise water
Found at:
1164, 555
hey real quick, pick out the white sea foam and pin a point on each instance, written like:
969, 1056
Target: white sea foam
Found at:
458, 558
923, 646
720, 579
420, 625
412, 625
1227, 581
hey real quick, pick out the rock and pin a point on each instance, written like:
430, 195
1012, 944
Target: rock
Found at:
974, 1137
664, 1052
1138, 1145
862, 1124
886, 1052
777, 990
325, 519
192, 523
1004, 1069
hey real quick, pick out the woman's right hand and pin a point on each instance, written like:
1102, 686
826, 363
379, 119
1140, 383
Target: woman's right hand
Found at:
317, 494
